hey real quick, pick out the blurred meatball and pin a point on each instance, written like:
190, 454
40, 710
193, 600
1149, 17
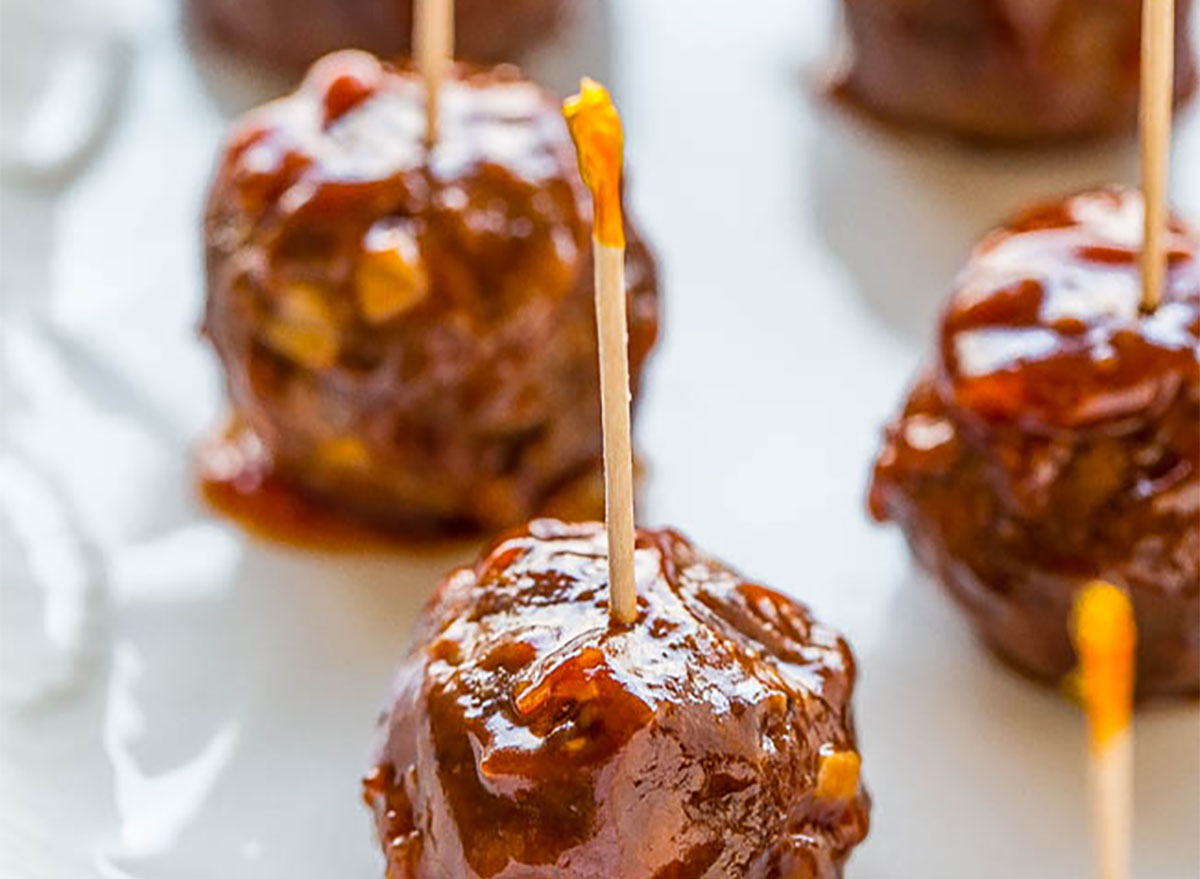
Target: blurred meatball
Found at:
295, 33
409, 333
1057, 440
1006, 70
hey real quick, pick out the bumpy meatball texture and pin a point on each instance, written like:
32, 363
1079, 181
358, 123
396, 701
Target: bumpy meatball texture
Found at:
1057, 439
531, 738
295, 33
1005, 70
409, 332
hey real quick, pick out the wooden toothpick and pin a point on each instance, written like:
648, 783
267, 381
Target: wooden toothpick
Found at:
1105, 636
433, 41
1158, 87
596, 129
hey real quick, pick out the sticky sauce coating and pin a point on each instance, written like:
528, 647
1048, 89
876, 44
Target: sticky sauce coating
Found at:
408, 333
1057, 439
530, 737
1045, 330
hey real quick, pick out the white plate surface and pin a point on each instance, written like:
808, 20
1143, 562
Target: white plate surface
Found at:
178, 701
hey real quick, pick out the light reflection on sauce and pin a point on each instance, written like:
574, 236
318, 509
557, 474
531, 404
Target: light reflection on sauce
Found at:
524, 723
1046, 328
980, 352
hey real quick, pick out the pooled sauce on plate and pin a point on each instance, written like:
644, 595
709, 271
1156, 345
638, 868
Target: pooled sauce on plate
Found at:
236, 480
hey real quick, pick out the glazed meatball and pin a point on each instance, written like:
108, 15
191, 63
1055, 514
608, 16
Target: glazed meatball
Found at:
294, 33
1057, 439
408, 333
530, 737
1006, 70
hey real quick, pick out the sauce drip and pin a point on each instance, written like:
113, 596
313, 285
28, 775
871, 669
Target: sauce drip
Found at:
531, 737
236, 480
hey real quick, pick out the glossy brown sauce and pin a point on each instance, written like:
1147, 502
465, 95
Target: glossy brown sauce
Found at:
1046, 330
531, 737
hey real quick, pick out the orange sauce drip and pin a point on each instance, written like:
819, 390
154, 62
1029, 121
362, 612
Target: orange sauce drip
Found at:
1105, 634
595, 127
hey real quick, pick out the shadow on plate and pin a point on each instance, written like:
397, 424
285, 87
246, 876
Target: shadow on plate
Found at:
997, 762
233, 81
900, 211
583, 46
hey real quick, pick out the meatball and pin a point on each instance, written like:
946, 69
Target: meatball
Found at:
1005, 70
409, 333
531, 737
1057, 440
294, 33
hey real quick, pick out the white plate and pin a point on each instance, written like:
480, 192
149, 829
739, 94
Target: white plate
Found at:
177, 700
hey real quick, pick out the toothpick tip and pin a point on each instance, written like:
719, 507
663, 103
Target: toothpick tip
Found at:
1104, 632
595, 126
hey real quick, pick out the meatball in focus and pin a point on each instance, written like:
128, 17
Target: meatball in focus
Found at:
409, 332
1057, 440
1005, 70
531, 737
